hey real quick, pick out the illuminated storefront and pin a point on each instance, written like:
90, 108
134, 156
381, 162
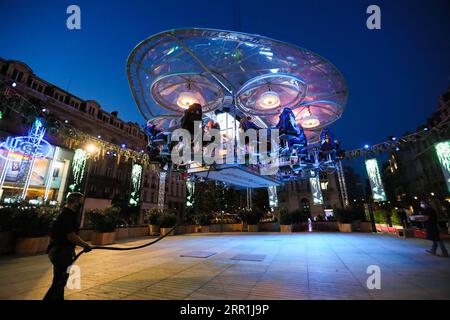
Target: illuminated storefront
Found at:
31, 169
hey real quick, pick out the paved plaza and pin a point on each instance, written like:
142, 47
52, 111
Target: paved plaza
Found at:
244, 266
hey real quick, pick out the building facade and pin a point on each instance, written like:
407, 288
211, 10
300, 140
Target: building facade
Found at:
413, 171
297, 195
114, 143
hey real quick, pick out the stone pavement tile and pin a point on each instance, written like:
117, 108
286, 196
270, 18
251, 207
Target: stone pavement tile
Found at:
336, 278
341, 291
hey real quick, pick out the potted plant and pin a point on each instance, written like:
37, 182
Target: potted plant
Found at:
365, 224
285, 220
166, 222
253, 218
381, 221
344, 218
104, 223
204, 221
299, 220
6, 227
189, 225
31, 227
152, 220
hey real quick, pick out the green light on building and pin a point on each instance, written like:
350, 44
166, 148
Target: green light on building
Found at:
375, 180
136, 175
78, 169
316, 190
443, 154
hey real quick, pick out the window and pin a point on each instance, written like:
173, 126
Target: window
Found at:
109, 172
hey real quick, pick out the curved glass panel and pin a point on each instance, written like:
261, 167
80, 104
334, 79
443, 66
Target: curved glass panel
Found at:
225, 65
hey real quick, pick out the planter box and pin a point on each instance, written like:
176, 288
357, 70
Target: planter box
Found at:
204, 229
102, 238
122, 233
325, 226
6, 242
381, 227
285, 228
138, 231
365, 226
356, 225
392, 229
345, 227
191, 228
227, 227
164, 231
153, 229
32, 245
269, 226
299, 227
420, 234
86, 234
253, 228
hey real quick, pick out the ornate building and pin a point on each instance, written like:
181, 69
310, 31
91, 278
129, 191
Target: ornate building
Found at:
295, 195
115, 145
413, 172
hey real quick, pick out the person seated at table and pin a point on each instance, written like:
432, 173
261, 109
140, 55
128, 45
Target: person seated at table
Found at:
191, 114
154, 134
327, 141
191, 120
207, 129
247, 123
286, 123
294, 132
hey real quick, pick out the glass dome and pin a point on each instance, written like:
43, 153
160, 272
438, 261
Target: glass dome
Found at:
215, 67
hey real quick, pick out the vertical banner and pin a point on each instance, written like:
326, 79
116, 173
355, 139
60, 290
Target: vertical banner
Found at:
375, 180
78, 169
136, 175
316, 190
273, 197
190, 189
443, 154
162, 190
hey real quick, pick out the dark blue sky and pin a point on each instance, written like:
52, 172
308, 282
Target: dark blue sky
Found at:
395, 75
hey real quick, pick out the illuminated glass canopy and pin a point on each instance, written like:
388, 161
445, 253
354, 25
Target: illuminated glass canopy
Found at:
215, 67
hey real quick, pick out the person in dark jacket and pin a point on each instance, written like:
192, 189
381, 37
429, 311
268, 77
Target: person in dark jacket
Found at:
192, 114
433, 229
63, 240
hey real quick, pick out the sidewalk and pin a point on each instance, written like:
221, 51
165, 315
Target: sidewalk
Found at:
275, 266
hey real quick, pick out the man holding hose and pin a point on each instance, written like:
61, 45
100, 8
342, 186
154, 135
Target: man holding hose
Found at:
63, 240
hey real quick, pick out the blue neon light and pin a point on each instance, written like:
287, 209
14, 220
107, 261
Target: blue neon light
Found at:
31, 145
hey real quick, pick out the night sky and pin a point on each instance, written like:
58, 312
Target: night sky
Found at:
394, 75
